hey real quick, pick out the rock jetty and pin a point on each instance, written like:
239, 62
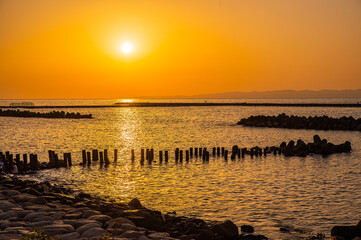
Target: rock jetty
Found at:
296, 122
66, 215
53, 114
346, 232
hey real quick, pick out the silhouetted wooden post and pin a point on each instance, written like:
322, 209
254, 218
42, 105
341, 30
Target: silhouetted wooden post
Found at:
141, 156
17, 160
106, 158
252, 152
101, 156
11, 162
222, 151
88, 158
25, 158
196, 152
265, 152
214, 151
95, 155
132, 155
65, 158
226, 155
83, 152
166, 156
160, 156
176, 154
116, 155
191, 152
187, 156
36, 162
200, 152
56, 159
204, 154
69, 160
181, 155
239, 153
152, 154
218, 151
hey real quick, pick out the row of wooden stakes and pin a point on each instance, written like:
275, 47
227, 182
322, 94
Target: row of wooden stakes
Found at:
9, 162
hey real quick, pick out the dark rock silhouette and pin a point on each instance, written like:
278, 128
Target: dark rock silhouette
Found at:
296, 122
53, 114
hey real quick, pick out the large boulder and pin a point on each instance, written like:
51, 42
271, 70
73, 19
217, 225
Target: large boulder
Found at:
226, 229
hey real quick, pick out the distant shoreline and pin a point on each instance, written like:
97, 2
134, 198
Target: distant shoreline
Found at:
205, 104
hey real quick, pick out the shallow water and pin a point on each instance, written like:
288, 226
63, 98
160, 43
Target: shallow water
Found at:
309, 194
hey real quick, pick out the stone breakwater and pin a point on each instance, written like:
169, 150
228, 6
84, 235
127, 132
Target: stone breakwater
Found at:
53, 114
65, 215
296, 122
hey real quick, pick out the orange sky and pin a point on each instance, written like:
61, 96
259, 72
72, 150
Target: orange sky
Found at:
70, 49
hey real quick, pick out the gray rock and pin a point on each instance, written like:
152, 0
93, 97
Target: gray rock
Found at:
5, 236
39, 200
58, 229
76, 223
68, 236
100, 218
89, 213
118, 222
33, 215
226, 229
135, 203
94, 232
10, 193
24, 197
86, 227
6, 205
158, 235
39, 224
132, 234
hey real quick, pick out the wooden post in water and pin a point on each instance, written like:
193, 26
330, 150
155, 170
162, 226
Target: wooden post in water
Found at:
166, 156
132, 155
141, 156
218, 151
214, 151
204, 154
88, 158
36, 162
191, 152
226, 155
95, 155
106, 158
200, 152
69, 160
83, 153
56, 159
196, 152
187, 156
17, 160
265, 152
101, 156
222, 151
116, 155
181, 155
65, 158
25, 158
176, 154
160, 156
239, 153
152, 154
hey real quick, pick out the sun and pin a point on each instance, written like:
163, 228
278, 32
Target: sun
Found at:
127, 47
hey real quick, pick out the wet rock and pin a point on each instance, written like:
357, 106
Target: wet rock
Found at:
135, 203
6, 236
158, 235
39, 200
283, 229
247, 229
132, 234
87, 226
346, 232
39, 224
226, 229
10, 193
6, 205
68, 236
205, 234
100, 218
73, 215
94, 232
252, 237
58, 229
24, 197
89, 213
76, 223
118, 222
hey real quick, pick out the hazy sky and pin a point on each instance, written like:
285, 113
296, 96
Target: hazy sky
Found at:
72, 49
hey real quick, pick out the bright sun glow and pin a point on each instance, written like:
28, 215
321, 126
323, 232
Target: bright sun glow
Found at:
127, 47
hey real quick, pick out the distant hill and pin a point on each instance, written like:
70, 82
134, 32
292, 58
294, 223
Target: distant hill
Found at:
286, 94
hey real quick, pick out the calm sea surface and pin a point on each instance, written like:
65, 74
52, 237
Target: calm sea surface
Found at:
309, 194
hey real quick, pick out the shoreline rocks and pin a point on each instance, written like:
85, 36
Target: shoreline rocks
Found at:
296, 122
53, 114
65, 214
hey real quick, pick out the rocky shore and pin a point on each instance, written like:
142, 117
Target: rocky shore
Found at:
296, 122
53, 114
63, 214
